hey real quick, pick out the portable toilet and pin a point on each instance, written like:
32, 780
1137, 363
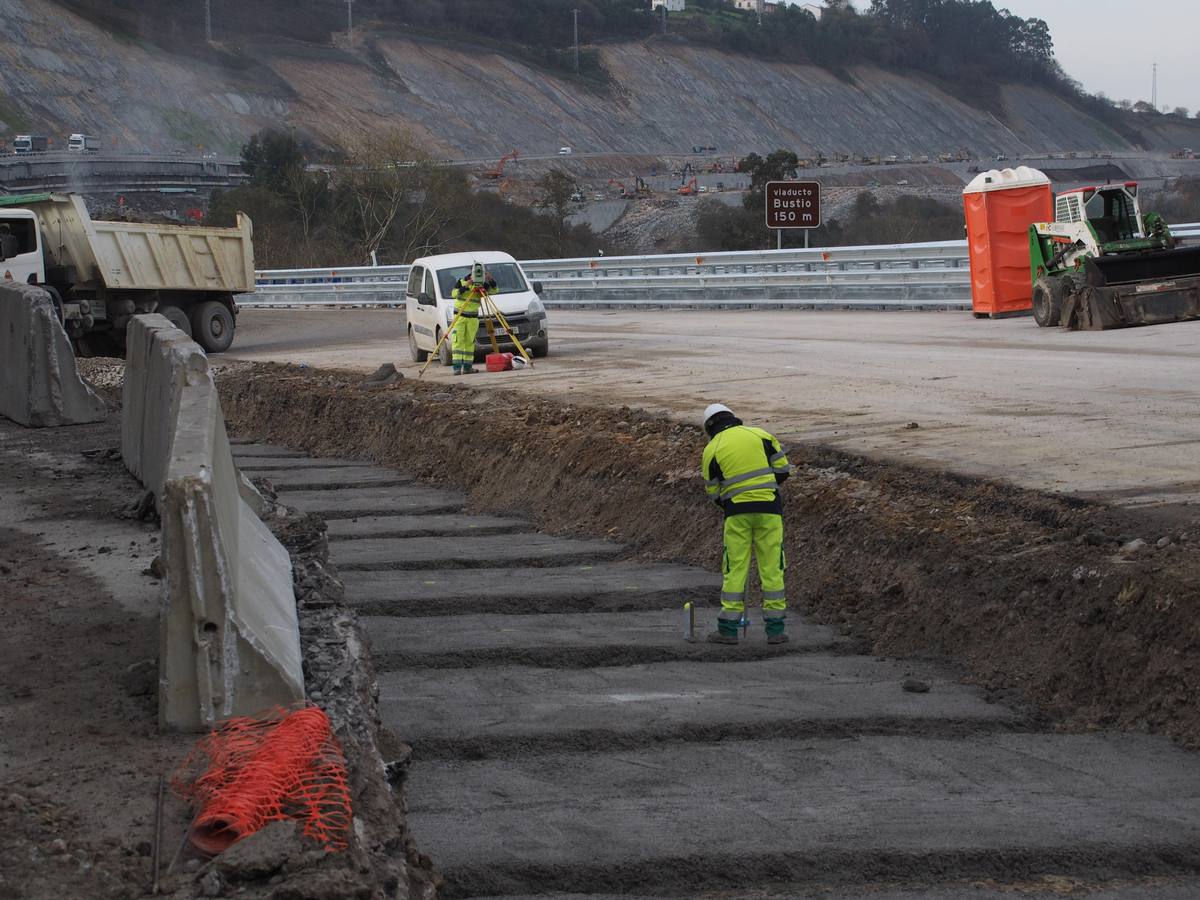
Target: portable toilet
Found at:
1000, 206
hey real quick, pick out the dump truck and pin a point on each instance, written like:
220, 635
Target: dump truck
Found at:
99, 274
1103, 264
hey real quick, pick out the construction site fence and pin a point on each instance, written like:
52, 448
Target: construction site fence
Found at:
934, 275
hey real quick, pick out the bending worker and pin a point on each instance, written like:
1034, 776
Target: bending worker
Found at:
742, 469
467, 294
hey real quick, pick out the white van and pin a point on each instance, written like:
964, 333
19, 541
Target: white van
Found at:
430, 307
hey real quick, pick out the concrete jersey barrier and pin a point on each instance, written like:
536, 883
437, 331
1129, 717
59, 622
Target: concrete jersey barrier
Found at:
39, 383
230, 640
229, 635
160, 360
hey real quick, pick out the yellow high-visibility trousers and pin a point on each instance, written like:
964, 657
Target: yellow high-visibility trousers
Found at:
462, 342
760, 534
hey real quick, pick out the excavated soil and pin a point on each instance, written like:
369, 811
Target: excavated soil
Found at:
80, 749
1033, 596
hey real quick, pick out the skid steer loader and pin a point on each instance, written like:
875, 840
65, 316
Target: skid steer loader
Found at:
1102, 264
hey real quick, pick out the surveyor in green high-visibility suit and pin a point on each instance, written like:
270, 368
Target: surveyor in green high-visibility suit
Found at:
467, 294
742, 468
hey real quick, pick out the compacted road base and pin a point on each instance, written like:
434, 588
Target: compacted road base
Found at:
569, 742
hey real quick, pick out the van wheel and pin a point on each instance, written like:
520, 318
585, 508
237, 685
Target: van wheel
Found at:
212, 325
418, 355
446, 353
176, 317
541, 350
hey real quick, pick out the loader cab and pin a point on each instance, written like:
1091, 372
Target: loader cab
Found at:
1112, 211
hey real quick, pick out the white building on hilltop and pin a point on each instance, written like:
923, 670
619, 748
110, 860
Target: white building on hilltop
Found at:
760, 7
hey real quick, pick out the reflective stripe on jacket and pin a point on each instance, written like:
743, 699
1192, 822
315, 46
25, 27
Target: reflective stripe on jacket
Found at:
742, 468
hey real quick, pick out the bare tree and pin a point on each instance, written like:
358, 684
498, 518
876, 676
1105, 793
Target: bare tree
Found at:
392, 191
556, 188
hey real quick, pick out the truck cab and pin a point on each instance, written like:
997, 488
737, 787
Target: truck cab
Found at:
82, 143
21, 247
430, 306
30, 143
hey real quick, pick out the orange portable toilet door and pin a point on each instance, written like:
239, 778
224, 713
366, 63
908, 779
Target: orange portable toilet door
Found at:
1000, 205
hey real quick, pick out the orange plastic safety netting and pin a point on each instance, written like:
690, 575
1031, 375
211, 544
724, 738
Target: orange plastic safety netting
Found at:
287, 765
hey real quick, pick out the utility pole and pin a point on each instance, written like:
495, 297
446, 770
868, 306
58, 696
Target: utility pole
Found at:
1154, 89
575, 12
350, 20
663, 10
208, 20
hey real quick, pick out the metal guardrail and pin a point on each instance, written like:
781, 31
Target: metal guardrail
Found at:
928, 275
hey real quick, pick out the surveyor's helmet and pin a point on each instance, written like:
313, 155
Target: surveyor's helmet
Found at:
714, 411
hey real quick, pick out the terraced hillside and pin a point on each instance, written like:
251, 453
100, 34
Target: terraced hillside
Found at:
60, 72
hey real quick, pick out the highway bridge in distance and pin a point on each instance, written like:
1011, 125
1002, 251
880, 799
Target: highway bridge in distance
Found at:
116, 172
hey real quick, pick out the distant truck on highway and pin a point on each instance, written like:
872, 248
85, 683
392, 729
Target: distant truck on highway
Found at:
83, 143
31, 143
99, 274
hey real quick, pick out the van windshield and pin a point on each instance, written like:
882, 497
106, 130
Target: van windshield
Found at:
509, 279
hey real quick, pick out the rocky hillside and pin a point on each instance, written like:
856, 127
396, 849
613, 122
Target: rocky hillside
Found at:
61, 73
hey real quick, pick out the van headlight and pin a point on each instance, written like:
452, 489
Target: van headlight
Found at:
536, 309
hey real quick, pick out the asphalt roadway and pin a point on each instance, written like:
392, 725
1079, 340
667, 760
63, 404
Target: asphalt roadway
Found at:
1104, 415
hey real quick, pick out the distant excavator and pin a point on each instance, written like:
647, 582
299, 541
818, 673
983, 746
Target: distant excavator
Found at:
498, 172
689, 188
641, 189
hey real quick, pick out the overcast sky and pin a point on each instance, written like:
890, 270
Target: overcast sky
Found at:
1109, 45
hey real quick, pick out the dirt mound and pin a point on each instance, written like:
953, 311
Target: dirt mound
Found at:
1031, 594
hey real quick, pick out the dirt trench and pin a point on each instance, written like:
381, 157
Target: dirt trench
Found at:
1031, 595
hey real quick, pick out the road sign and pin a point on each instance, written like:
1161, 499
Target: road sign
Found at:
793, 204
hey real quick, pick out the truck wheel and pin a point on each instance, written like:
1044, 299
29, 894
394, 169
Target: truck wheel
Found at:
212, 326
418, 355
541, 350
176, 317
1048, 300
446, 353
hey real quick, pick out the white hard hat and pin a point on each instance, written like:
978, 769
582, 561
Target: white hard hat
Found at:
712, 410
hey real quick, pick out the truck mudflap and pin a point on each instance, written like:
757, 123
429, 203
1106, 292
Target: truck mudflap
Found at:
1149, 303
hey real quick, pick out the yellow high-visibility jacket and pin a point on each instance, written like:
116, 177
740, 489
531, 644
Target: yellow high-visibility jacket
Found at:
742, 468
467, 296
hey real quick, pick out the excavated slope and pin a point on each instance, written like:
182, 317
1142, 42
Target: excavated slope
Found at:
60, 73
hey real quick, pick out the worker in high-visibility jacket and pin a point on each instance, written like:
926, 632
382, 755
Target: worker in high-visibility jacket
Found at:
467, 294
742, 469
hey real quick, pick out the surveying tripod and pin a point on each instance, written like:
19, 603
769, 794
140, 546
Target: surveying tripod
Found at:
488, 309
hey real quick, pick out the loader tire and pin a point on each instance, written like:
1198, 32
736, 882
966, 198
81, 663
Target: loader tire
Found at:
1048, 296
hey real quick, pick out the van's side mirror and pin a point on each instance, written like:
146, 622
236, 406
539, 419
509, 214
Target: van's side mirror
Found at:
424, 299
537, 287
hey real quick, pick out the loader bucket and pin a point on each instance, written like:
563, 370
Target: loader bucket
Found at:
1148, 303
1151, 265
